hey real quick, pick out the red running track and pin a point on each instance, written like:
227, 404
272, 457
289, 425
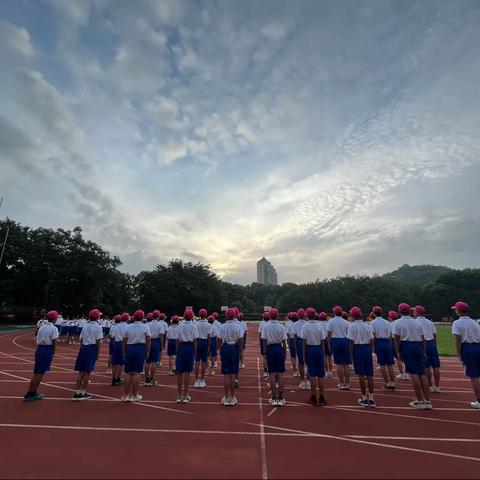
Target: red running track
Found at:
158, 438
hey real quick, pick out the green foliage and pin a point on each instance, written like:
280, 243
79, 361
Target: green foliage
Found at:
417, 274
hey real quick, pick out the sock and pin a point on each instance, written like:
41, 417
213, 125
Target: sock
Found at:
83, 392
78, 392
370, 396
364, 397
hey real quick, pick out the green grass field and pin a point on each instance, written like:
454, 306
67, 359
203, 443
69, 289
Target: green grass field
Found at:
445, 340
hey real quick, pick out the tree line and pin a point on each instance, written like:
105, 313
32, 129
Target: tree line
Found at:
46, 268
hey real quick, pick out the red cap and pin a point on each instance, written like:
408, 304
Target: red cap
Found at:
266, 316
202, 313
241, 315
95, 314
310, 312
462, 306
175, 319
393, 314
289, 315
215, 314
273, 314
211, 318
52, 315
237, 311
345, 315
149, 316
125, 317
301, 313
377, 310
356, 312
337, 310
162, 316
323, 316
419, 310
139, 315
231, 313
118, 318
188, 315
156, 313
404, 309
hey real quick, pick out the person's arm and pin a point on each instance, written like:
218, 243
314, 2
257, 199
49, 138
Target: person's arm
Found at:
54, 346
148, 344
124, 345
195, 348
98, 345
458, 347
351, 351
424, 346
304, 346
397, 344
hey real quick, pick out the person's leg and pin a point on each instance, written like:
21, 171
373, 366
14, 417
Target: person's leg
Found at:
363, 388
79, 383
273, 385
436, 376
313, 387
391, 373
428, 372
294, 363
476, 387
425, 387
417, 387
85, 380
321, 388
280, 382
186, 382
226, 385
383, 370
180, 384
203, 368
232, 386
135, 383
370, 385
400, 366
170, 362
197, 370
35, 382
153, 371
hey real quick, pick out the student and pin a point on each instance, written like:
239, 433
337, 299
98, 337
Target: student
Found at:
213, 347
58, 323
243, 324
392, 316
313, 342
186, 353
156, 334
410, 346
265, 319
40, 323
172, 334
204, 330
111, 344
361, 346
230, 339
337, 328
382, 332
467, 342
432, 362
90, 341
46, 339
274, 337
323, 319
304, 385
290, 329
136, 347
117, 352
217, 324
164, 328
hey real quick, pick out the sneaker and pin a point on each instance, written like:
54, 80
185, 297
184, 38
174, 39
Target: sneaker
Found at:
437, 390
363, 402
328, 375
416, 404
406, 376
136, 398
281, 402
242, 365
147, 383
475, 405
303, 385
212, 373
400, 376
321, 401
312, 400
341, 386
32, 397
346, 386
197, 384
233, 400
171, 372
432, 388
86, 396
427, 406
274, 402
372, 403
187, 399
224, 401
266, 375
179, 398
109, 370
202, 384
77, 397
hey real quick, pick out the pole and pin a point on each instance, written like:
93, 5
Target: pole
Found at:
4, 245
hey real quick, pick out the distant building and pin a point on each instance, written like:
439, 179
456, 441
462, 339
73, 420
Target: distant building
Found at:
266, 273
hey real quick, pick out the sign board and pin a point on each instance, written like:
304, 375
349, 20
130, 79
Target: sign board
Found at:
188, 308
224, 308
267, 309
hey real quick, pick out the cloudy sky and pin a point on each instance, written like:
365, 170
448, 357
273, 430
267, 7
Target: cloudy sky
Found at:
332, 137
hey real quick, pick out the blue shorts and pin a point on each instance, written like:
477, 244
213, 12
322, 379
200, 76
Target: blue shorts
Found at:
433, 360
292, 347
171, 347
262, 348
383, 350
134, 358
117, 353
213, 346
299, 347
184, 360
230, 356
341, 351
43, 359
111, 343
77, 330
86, 358
202, 350
104, 331
411, 354
315, 361
362, 360
154, 355
275, 358
470, 353
63, 331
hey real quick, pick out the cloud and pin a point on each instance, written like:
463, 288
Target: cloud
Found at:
15, 40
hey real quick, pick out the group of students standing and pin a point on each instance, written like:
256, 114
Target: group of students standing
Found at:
313, 340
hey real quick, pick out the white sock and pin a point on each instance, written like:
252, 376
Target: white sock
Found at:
370, 396
364, 397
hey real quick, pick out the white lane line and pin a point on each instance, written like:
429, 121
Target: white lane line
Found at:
273, 411
420, 439
263, 447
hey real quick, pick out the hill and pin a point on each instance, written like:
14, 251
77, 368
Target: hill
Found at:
417, 274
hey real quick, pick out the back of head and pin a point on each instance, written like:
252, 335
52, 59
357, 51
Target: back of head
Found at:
202, 313
404, 309
356, 313
231, 314
337, 311
188, 315
94, 314
311, 313
139, 315
273, 314
156, 314
301, 313
52, 315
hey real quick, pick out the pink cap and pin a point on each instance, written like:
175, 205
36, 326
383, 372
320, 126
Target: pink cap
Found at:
462, 306
273, 314
404, 309
237, 311
294, 316
95, 314
419, 310
322, 316
188, 315
175, 319
337, 310
118, 318
231, 313
156, 313
393, 314
310, 312
139, 315
289, 315
377, 310
215, 314
301, 313
211, 318
202, 313
149, 316
52, 315
125, 317
162, 316
344, 314
266, 316
356, 312
241, 315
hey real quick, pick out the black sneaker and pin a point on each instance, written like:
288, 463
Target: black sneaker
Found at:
114, 382
77, 397
86, 396
32, 396
372, 404
321, 401
362, 402
312, 400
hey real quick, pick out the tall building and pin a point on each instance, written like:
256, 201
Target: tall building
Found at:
266, 273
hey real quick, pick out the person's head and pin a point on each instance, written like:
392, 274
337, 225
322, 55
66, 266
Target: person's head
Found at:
188, 315
175, 319
419, 310
337, 311
118, 318
202, 313
372, 316
138, 316
273, 314
162, 316
301, 313
404, 309
215, 315
377, 311
322, 316
237, 311
392, 315
461, 308
356, 313
266, 316
241, 316
294, 316
211, 319
231, 314
94, 314
311, 313
156, 314
149, 316
125, 317
51, 316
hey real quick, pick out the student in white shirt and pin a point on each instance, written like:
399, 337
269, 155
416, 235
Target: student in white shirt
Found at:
117, 352
90, 340
45, 338
467, 343
265, 319
297, 329
361, 347
204, 330
156, 332
337, 328
410, 346
164, 327
136, 348
213, 347
111, 343
172, 335
290, 329
323, 319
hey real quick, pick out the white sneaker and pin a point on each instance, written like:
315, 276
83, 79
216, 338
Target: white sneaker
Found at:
328, 375
224, 401
303, 385
346, 386
125, 398
179, 399
136, 398
242, 365
202, 384
308, 384
171, 372
406, 376
416, 404
341, 386
427, 406
475, 405
197, 384
399, 376
432, 388
281, 402
187, 399
437, 390
233, 400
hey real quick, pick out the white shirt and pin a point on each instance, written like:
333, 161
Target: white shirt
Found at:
215, 329
119, 331
408, 329
82, 322
313, 332
274, 332
172, 331
230, 332
187, 331
217, 324
468, 329
156, 329
360, 332
381, 328
137, 332
338, 327
91, 332
46, 334
262, 324
297, 326
204, 329
290, 328
163, 326
428, 327
41, 322
59, 321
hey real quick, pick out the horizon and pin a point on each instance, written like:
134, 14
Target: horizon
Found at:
331, 139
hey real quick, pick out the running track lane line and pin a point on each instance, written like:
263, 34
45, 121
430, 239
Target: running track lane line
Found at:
421, 439
261, 425
375, 444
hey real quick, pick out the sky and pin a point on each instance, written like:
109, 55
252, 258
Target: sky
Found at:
332, 137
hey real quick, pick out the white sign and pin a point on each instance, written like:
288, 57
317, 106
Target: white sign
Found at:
188, 308
224, 308
267, 309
